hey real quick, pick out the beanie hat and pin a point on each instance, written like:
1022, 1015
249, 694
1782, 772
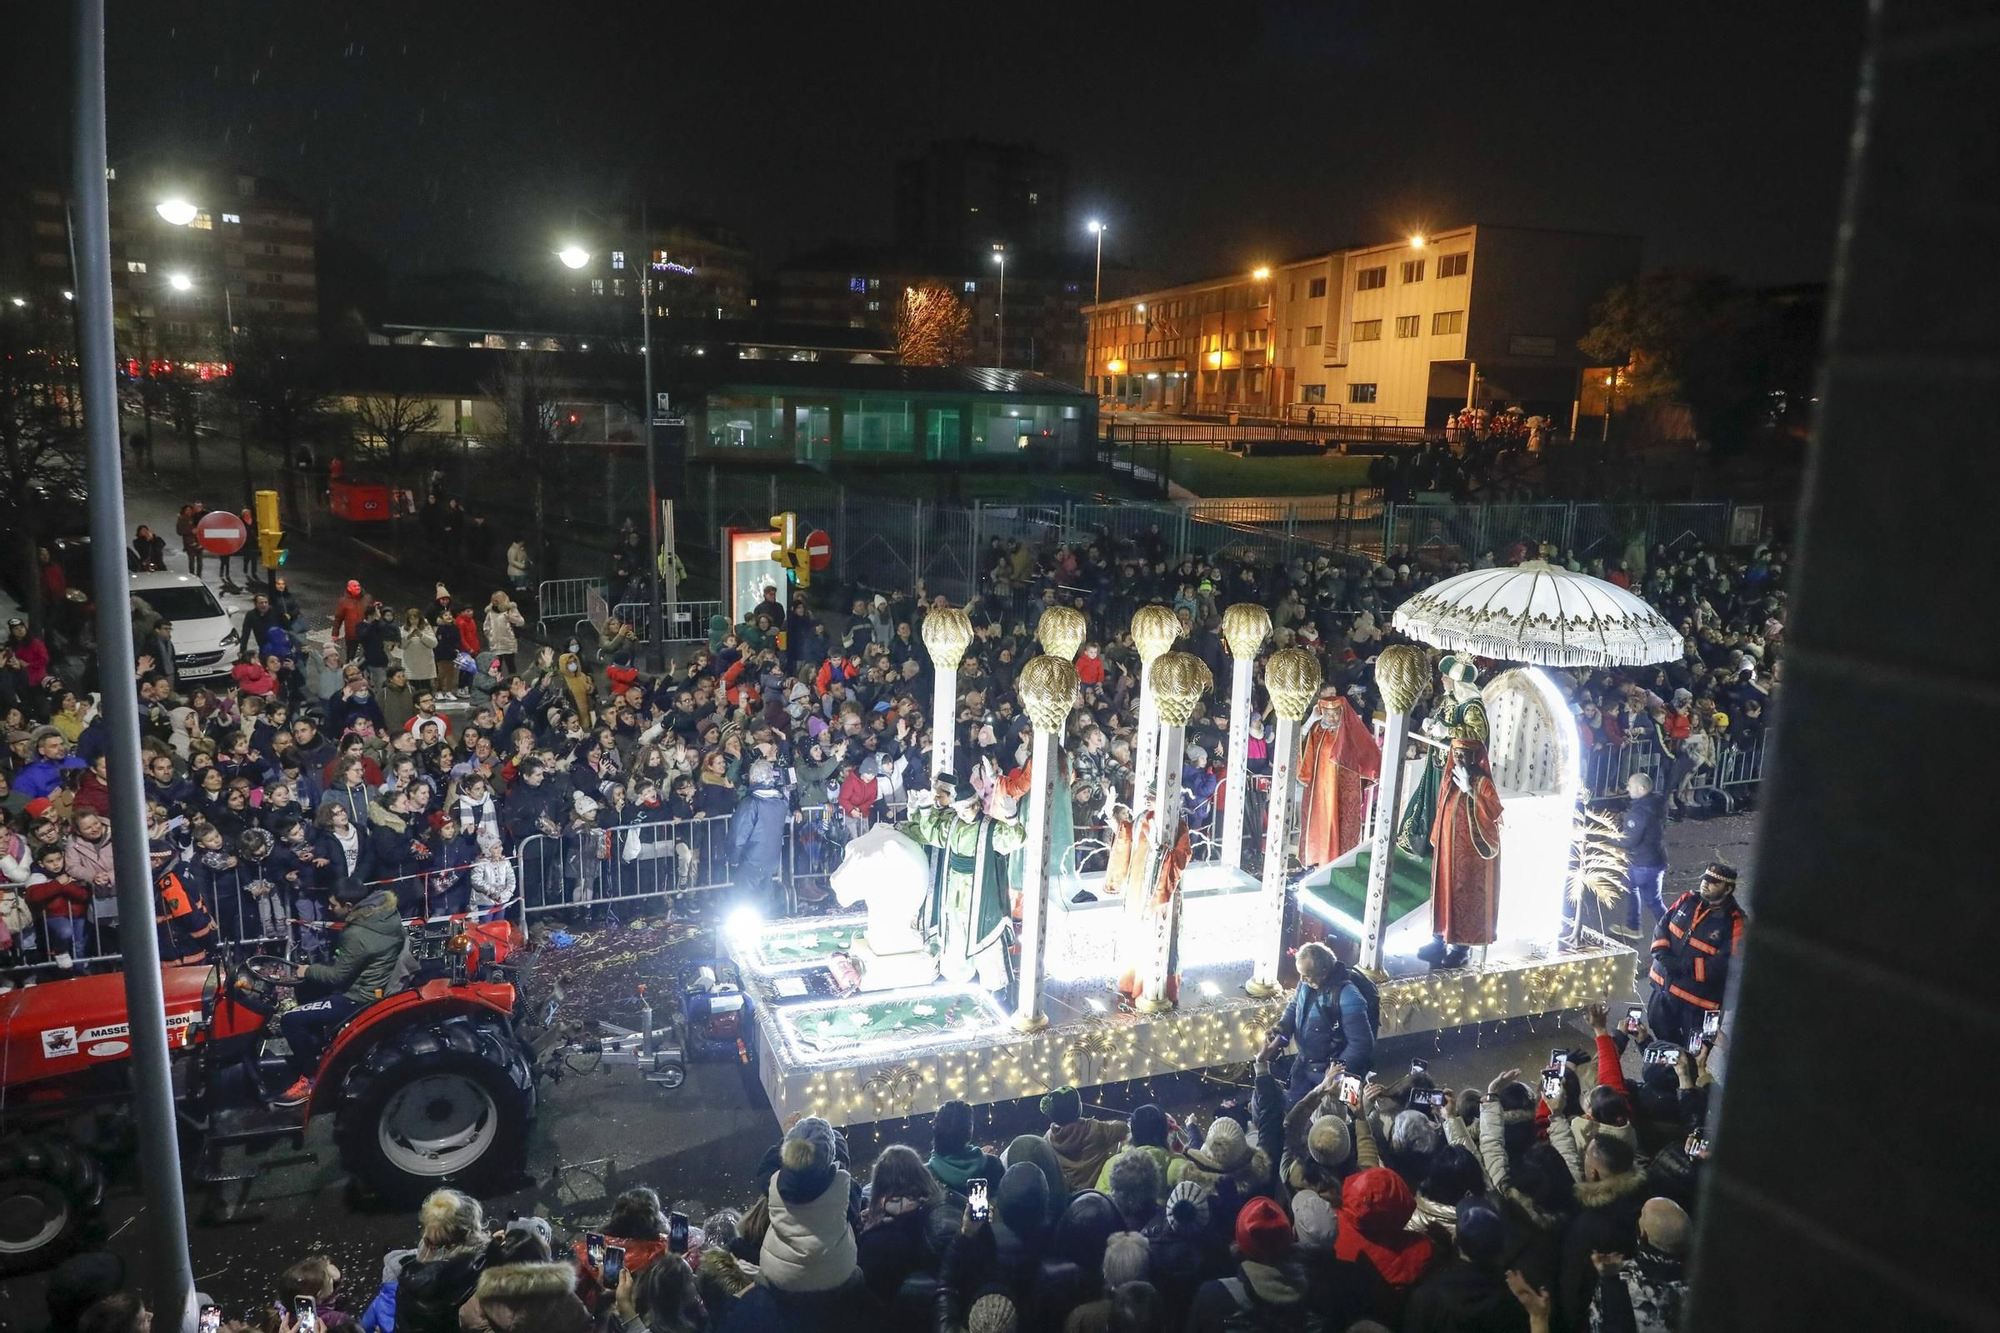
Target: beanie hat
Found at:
993, 1313
1064, 1105
1327, 1142
806, 1161
1184, 1205
1314, 1222
1263, 1234
1482, 1235
532, 1226
1022, 1201
1149, 1127
1224, 1149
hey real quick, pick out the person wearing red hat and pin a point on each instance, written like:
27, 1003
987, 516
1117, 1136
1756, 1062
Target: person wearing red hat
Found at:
1381, 1260
347, 616
1268, 1289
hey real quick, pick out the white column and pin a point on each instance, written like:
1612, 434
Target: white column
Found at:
1166, 834
1035, 882
1382, 849
1271, 928
1236, 780
944, 719
1148, 738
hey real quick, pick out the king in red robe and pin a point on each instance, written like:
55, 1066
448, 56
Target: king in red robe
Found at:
1339, 759
1465, 872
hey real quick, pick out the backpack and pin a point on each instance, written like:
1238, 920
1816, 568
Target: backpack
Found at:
1371, 996
1251, 1317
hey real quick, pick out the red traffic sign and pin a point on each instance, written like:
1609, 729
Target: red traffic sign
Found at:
221, 533
819, 547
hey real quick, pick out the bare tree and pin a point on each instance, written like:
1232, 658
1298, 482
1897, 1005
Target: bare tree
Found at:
534, 429
282, 384
390, 422
930, 326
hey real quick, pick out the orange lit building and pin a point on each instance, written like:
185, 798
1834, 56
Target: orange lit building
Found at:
1405, 332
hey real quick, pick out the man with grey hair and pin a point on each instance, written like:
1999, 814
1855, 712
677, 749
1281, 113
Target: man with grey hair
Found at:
1127, 1259
1135, 1186
1645, 852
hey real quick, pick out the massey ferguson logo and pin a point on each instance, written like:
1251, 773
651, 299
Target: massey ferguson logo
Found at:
58, 1042
111, 1038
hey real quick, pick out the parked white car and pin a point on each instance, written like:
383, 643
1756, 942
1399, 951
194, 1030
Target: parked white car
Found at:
206, 633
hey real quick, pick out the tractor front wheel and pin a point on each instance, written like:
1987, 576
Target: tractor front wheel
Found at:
435, 1106
48, 1189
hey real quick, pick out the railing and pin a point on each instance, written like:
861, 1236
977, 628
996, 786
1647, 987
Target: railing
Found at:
558, 600
1736, 772
687, 622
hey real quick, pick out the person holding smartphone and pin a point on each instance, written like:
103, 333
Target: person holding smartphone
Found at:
1331, 1016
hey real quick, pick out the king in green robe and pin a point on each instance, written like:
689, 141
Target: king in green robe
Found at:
1459, 715
965, 916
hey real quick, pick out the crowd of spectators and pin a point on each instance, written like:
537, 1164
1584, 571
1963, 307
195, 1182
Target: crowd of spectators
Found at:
1558, 1203
442, 753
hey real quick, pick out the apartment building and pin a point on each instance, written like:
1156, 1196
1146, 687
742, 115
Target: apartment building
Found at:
193, 252
1405, 332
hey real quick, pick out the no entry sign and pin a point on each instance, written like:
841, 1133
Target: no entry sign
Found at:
221, 533
819, 547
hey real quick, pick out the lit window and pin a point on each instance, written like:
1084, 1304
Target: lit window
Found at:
874, 305
1314, 334
1367, 330
1312, 393
203, 222
1360, 393
135, 266
1034, 198
597, 286
1316, 287
236, 218
1453, 266
1368, 279
874, 284
857, 284
1448, 321
618, 259
970, 285
618, 286
111, 173
1409, 326
1413, 270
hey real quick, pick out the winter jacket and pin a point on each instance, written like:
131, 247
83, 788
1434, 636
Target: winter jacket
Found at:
809, 1246
366, 955
525, 1298
59, 897
640, 1254
1696, 941
1646, 1294
1607, 1224
1645, 830
1328, 1032
894, 1247
1463, 1297
419, 655
500, 626
1083, 1147
429, 1292
1381, 1260
757, 835
85, 860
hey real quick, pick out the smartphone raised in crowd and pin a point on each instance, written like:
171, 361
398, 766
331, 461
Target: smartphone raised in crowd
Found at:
1420, 1066
1350, 1090
677, 1233
614, 1266
593, 1248
211, 1318
1552, 1087
305, 1314
1697, 1145
1559, 1059
1711, 1024
1662, 1055
975, 1200
1635, 1015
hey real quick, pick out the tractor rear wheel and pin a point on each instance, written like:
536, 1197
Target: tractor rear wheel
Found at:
437, 1105
48, 1190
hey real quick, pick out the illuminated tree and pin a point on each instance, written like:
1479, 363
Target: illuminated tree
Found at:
930, 326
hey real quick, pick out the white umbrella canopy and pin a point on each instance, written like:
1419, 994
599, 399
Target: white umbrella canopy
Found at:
1536, 612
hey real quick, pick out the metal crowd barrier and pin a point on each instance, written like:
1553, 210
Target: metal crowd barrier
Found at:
558, 600
687, 622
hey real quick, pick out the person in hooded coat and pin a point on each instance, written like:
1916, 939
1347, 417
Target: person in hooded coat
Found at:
521, 1291
955, 1159
757, 838
809, 1246
1035, 1150
1083, 1147
1020, 1226
1268, 1288
1380, 1259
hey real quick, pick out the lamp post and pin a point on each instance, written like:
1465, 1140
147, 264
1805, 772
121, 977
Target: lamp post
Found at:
1000, 352
576, 257
180, 213
1097, 229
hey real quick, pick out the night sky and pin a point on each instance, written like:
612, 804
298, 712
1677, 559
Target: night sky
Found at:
439, 134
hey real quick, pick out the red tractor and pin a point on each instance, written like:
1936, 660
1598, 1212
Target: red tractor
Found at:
433, 1085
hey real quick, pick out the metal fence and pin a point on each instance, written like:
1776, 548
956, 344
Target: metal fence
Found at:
687, 622
564, 600
1733, 776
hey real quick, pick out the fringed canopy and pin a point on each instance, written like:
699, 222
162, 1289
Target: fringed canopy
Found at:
1535, 612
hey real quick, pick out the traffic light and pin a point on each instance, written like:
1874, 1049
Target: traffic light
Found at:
270, 532
785, 549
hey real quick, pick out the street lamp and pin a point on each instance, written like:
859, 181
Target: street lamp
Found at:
178, 212
1000, 258
1261, 273
20, 302
575, 257
180, 282
1097, 229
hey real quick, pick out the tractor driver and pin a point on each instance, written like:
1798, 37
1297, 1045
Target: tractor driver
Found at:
366, 961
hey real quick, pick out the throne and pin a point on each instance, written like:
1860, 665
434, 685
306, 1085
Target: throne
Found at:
891, 874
